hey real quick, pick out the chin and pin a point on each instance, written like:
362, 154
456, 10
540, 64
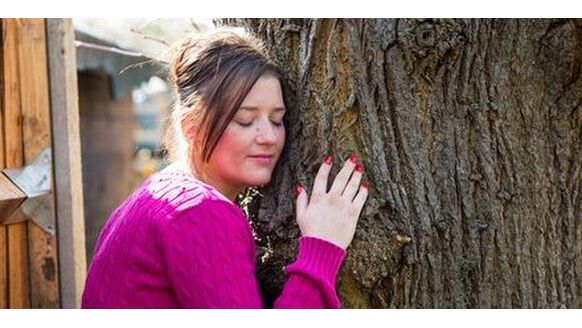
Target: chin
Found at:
259, 181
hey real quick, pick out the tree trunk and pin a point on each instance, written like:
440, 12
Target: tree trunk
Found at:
470, 132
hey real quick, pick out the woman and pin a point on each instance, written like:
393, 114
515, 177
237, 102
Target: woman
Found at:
180, 240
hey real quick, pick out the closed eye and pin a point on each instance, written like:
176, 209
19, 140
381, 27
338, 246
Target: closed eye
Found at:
251, 123
244, 124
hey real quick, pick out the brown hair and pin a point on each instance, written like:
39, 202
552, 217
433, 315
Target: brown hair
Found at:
211, 75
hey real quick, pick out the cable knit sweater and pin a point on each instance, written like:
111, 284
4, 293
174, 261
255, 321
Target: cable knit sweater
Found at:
178, 243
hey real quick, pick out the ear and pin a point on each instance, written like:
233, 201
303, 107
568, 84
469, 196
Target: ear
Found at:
188, 129
191, 132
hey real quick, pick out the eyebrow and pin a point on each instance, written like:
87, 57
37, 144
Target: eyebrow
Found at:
250, 108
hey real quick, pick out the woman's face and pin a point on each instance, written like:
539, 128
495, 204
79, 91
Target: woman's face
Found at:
250, 146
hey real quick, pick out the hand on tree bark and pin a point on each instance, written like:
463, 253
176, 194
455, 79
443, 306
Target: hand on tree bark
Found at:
333, 215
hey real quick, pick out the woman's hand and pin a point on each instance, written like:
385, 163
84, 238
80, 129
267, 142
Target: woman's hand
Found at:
332, 215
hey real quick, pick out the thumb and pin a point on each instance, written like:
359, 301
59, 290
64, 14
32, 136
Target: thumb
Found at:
301, 202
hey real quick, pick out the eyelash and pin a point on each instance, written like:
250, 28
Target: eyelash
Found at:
249, 124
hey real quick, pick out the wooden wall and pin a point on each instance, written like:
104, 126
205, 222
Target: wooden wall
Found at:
29, 260
108, 128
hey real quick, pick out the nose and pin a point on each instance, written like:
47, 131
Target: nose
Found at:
266, 133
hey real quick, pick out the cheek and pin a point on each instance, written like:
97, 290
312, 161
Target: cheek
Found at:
233, 142
283, 136
280, 143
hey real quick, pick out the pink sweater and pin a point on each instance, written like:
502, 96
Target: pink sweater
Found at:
178, 243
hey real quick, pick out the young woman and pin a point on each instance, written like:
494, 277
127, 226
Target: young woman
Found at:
180, 240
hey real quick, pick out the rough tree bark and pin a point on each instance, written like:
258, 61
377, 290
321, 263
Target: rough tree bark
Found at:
471, 135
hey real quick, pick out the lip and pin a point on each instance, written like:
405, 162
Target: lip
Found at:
261, 159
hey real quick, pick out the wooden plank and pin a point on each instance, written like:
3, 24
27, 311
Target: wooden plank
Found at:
2, 164
67, 160
36, 131
10, 198
3, 238
17, 250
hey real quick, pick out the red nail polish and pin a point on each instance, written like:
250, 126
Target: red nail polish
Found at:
328, 160
298, 189
359, 168
353, 158
365, 184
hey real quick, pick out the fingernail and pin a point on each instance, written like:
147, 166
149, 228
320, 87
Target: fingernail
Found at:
359, 168
298, 189
365, 184
328, 160
353, 158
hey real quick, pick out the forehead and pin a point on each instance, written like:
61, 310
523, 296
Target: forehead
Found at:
265, 93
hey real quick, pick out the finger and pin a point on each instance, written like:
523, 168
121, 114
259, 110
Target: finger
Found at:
360, 199
354, 184
301, 203
320, 183
342, 177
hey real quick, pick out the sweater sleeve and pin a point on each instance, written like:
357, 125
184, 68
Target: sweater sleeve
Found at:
210, 260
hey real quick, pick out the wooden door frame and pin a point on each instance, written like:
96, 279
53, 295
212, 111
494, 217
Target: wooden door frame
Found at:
67, 160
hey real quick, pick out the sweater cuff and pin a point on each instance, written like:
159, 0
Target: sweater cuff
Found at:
320, 258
